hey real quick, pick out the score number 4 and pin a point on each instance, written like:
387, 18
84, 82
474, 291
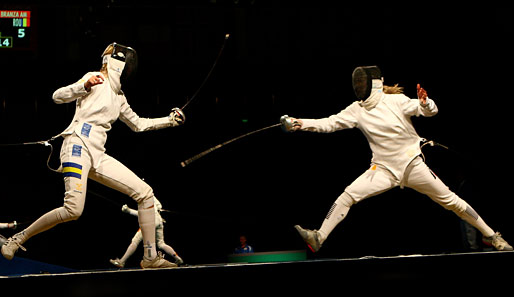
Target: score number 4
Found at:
5, 41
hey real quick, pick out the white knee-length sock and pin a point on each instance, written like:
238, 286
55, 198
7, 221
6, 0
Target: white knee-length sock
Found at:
336, 214
146, 218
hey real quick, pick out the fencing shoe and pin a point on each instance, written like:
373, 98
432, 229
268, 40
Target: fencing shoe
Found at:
178, 260
311, 237
11, 246
157, 262
117, 262
497, 242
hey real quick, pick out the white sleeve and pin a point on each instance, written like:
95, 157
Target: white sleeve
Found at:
413, 107
343, 120
71, 92
137, 124
429, 109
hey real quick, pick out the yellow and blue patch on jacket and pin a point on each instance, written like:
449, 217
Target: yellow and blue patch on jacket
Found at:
72, 169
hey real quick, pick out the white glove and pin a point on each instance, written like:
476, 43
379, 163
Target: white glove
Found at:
290, 124
177, 115
12, 225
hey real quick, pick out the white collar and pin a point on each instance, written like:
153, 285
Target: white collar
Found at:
377, 91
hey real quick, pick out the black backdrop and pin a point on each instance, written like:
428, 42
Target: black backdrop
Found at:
280, 59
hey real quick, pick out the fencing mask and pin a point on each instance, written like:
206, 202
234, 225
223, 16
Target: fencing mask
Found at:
365, 79
121, 64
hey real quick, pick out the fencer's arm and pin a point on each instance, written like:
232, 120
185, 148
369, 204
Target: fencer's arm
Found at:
69, 93
74, 91
415, 107
427, 106
129, 210
138, 124
340, 121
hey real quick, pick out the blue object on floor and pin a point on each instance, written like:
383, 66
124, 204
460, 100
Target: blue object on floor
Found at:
21, 266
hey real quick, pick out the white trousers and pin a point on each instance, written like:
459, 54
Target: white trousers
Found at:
76, 165
417, 176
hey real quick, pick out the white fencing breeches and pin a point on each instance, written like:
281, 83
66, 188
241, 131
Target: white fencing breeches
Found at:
76, 166
417, 176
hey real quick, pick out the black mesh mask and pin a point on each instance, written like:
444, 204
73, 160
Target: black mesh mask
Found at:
362, 80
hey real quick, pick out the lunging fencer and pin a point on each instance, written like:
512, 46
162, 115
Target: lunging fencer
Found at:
159, 238
99, 103
383, 114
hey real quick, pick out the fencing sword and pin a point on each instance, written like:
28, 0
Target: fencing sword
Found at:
208, 74
202, 154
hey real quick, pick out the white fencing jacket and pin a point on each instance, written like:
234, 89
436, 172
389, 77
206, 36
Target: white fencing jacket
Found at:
95, 112
387, 127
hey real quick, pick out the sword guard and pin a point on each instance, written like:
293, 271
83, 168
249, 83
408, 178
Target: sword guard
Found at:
289, 124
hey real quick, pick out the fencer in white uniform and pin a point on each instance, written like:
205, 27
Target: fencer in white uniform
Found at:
385, 121
138, 237
99, 103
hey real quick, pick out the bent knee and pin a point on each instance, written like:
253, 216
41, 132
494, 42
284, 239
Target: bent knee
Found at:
75, 213
346, 199
144, 196
451, 202
67, 213
160, 244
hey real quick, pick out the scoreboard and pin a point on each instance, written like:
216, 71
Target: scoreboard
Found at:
15, 29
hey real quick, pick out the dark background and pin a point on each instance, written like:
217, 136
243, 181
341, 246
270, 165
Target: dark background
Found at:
281, 58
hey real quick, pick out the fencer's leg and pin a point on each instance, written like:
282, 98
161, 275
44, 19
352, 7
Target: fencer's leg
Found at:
423, 180
75, 165
166, 248
146, 217
131, 249
335, 215
71, 210
338, 211
115, 175
138, 237
159, 237
374, 181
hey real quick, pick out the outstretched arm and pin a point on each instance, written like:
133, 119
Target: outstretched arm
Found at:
342, 120
137, 124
